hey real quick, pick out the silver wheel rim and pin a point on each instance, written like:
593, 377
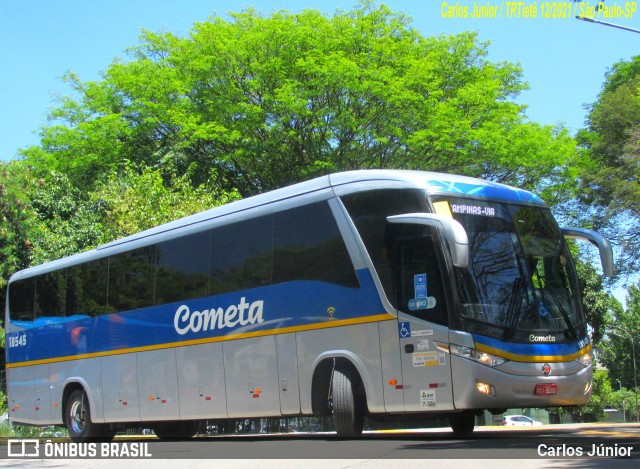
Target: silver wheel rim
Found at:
77, 416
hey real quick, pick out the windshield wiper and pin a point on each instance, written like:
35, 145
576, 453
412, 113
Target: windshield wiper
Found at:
570, 328
512, 311
544, 291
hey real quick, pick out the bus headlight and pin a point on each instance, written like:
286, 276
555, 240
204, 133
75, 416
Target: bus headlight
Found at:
476, 355
585, 359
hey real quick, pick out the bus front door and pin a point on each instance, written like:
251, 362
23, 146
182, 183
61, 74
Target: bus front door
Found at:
422, 324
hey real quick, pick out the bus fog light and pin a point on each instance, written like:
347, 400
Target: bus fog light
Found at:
485, 388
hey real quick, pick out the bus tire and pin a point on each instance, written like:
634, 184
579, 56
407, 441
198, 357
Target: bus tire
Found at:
77, 420
463, 422
347, 416
176, 430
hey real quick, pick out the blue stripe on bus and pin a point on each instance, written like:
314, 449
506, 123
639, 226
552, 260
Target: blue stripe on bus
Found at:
532, 349
292, 304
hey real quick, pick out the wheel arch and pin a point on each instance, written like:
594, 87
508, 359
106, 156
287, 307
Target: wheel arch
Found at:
323, 367
73, 384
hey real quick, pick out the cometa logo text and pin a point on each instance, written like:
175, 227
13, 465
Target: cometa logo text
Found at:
243, 314
542, 338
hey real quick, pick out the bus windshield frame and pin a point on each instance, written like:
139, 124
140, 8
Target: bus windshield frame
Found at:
521, 284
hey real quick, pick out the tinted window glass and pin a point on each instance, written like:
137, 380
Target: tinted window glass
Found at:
241, 255
308, 246
183, 268
21, 299
419, 284
51, 294
87, 288
132, 279
369, 212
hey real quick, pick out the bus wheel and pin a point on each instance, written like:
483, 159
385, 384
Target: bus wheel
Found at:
347, 416
77, 419
462, 422
176, 430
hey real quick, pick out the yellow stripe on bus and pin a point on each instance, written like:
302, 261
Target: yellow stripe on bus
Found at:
533, 358
208, 340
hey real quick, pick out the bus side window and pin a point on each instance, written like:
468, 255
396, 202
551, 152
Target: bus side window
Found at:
132, 279
241, 256
87, 288
418, 279
21, 299
51, 294
183, 268
307, 245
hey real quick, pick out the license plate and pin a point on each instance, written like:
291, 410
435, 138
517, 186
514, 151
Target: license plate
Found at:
547, 389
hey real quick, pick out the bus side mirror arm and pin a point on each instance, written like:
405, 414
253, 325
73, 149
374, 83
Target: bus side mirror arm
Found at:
606, 253
452, 231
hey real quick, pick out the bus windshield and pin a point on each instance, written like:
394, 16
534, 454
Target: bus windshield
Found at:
520, 283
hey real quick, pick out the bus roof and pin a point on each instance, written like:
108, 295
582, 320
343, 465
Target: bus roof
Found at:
342, 183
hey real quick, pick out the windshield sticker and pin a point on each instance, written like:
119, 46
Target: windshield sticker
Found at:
417, 304
543, 312
422, 333
425, 359
473, 210
442, 208
427, 398
420, 285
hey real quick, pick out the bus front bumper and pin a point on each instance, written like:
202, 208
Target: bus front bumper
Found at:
525, 385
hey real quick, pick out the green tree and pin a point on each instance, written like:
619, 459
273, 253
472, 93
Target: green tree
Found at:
600, 306
601, 397
131, 201
608, 172
624, 401
17, 218
66, 222
268, 100
617, 350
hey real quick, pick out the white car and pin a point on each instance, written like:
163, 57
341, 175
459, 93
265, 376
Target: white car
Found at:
520, 421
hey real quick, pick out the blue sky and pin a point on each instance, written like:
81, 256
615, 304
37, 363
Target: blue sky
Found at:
563, 59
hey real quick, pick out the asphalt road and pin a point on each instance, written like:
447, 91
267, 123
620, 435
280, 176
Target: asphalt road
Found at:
562, 446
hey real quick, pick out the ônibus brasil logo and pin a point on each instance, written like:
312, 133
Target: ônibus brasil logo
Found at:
242, 314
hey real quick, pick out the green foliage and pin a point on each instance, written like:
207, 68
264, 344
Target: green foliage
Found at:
130, 202
616, 350
266, 101
624, 400
599, 305
19, 431
67, 223
608, 171
601, 396
16, 219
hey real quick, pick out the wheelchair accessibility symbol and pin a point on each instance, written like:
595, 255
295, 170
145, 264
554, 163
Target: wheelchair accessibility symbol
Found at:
404, 328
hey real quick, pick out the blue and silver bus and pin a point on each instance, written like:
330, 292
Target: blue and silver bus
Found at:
387, 294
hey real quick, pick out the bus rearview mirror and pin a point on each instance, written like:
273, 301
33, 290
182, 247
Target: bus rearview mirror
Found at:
606, 253
452, 231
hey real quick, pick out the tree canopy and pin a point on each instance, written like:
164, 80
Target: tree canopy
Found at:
269, 100
617, 349
608, 176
